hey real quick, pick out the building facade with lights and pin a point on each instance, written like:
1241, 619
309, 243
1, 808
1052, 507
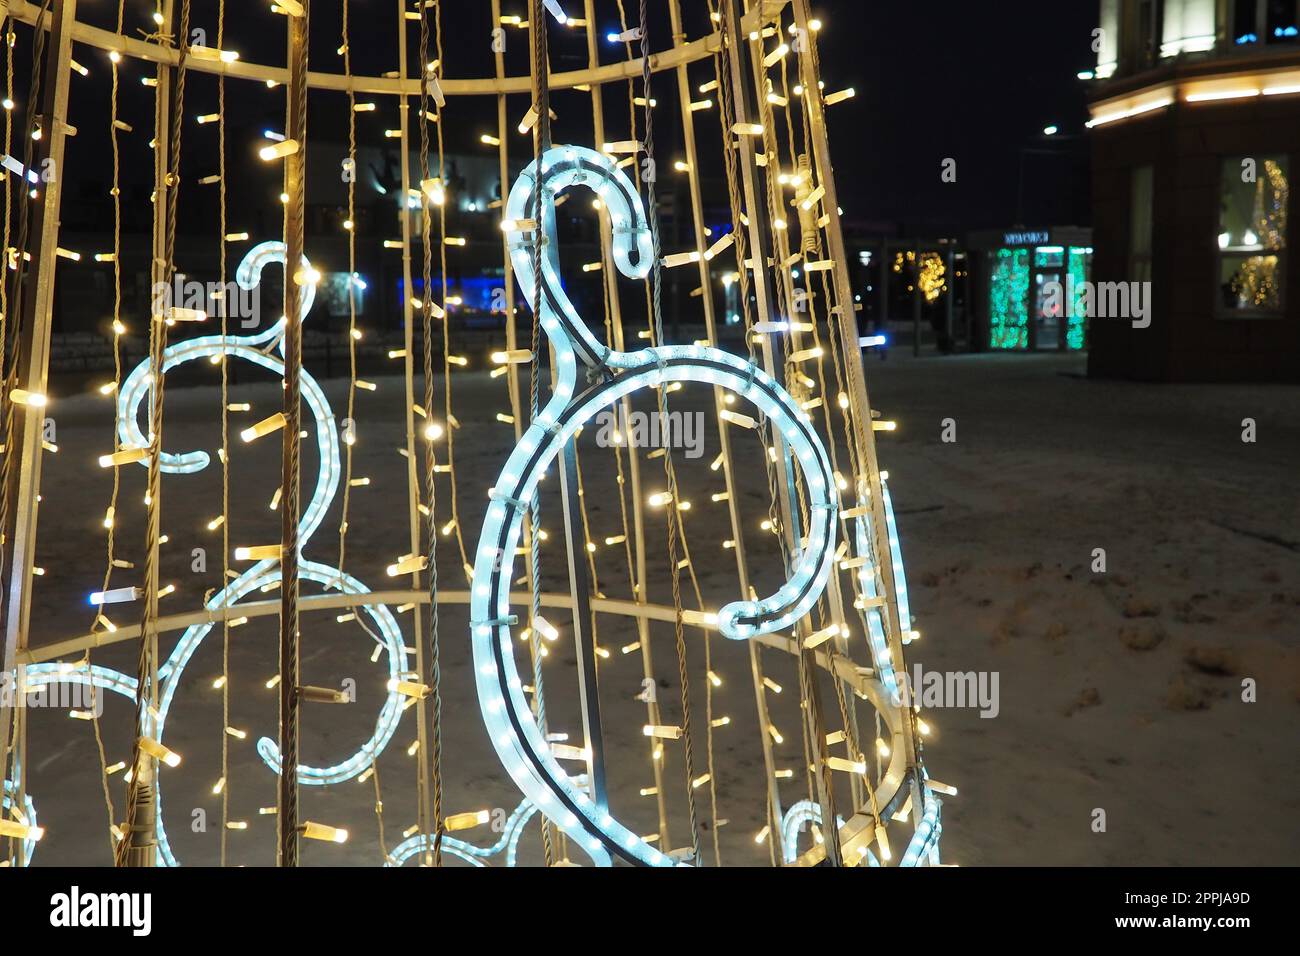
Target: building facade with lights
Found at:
1195, 127
1026, 284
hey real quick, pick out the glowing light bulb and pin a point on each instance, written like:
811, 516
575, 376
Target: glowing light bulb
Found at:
278, 150
320, 831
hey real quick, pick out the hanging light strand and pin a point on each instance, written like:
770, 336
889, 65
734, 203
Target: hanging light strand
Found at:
109, 523
541, 142
224, 307
138, 845
429, 77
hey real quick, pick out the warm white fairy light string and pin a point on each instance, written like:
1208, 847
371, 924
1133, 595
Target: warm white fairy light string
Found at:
263, 573
633, 42
354, 286
115, 126
223, 782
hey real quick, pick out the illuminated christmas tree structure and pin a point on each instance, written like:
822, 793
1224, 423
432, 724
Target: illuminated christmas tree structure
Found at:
606, 657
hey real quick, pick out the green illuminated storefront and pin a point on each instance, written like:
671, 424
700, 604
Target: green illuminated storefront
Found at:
1027, 286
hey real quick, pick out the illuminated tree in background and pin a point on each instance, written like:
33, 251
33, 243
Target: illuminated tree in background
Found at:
1255, 283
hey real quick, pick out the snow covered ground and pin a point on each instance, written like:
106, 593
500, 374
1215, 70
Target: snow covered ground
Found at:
1119, 691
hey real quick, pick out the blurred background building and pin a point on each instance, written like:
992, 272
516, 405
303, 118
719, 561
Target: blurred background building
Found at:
1195, 125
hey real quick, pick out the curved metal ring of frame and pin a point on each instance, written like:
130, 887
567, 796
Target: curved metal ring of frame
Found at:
108, 41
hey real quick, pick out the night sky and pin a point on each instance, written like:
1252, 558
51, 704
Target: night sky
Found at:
976, 82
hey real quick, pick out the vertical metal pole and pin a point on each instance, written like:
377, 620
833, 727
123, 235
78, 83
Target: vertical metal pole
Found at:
859, 405
916, 305
141, 850
295, 173
423, 812
1031, 312
813, 714
950, 298
885, 269
759, 239
33, 358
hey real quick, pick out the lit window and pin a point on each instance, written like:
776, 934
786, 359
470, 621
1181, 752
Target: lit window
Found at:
1280, 25
1267, 21
1252, 234
1245, 22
